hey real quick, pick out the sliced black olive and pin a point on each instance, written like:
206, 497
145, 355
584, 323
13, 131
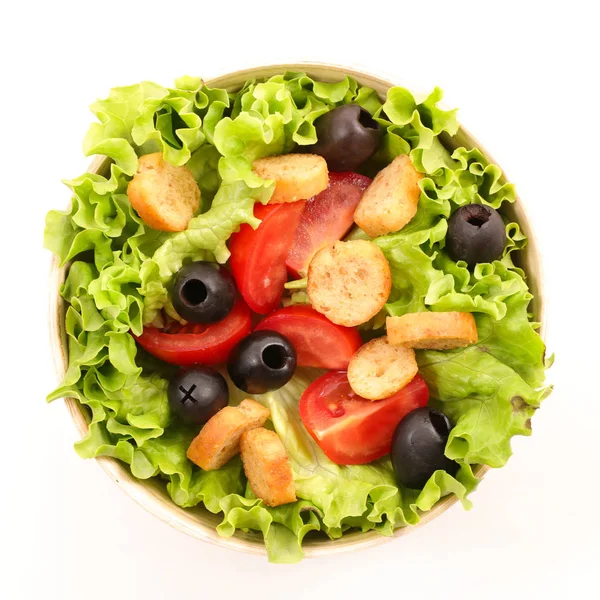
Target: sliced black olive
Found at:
347, 137
418, 447
203, 293
476, 234
262, 362
196, 394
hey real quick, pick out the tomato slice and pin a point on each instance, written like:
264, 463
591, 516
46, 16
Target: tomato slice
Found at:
198, 344
349, 429
258, 256
327, 218
318, 342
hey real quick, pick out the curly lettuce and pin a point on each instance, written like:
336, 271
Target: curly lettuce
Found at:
490, 389
120, 272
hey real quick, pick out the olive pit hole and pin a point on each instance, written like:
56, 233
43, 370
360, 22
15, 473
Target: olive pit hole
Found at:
274, 356
439, 424
477, 215
194, 292
366, 120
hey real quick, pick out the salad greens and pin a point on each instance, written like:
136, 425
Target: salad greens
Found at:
120, 275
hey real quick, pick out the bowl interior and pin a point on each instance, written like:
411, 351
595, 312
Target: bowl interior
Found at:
199, 522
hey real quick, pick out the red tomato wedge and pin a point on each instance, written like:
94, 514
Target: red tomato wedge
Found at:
198, 344
327, 218
258, 256
318, 342
349, 429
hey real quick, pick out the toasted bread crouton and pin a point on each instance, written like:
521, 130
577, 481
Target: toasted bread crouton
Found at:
390, 202
349, 282
219, 440
378, 370
432, 330
267, 467
166, 197
296, 176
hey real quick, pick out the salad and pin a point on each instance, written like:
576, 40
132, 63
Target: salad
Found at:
294, 304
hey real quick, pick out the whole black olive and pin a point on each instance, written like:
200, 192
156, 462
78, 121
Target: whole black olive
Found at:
262, 362
418, 447
476, 234
196, 394
347, 136
203, 293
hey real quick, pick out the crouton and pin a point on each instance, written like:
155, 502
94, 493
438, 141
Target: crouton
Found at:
219, 440
378, 370
432, 330
390, 202
296, 176
166, 197
267, 467
349, 282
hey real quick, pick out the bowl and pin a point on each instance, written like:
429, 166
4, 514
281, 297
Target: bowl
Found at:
198, 522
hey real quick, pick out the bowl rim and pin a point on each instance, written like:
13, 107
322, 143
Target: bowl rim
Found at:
150, 495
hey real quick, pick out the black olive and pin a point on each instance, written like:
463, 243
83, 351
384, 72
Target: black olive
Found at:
203, 293
476, 234
418, 447
262, 362
347, 137
198, 393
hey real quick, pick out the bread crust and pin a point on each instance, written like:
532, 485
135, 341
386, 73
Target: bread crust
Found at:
432, 330
296, 176
165, 196
378, 370
349, 282
391, 201
267, 467
219, 440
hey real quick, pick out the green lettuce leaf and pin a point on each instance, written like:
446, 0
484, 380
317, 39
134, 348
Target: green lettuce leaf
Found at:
487, 401
145, 118
112, 136
410, 127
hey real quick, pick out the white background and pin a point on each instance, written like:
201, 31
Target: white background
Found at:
526, 80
